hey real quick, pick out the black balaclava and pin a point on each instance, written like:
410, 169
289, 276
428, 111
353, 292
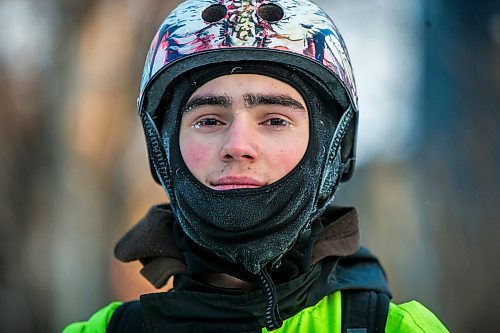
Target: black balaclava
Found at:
254, 227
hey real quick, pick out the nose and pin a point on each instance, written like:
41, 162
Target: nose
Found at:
240, 142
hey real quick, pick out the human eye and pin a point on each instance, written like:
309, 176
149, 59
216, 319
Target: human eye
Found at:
277, 123
207, 122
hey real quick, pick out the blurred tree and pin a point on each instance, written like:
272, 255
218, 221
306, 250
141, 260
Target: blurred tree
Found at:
98, 111
69, 71
461, 157
28, 41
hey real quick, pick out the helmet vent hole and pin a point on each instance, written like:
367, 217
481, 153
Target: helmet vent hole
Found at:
270, 12
214, 13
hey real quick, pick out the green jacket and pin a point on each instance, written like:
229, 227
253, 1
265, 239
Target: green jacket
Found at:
409, 317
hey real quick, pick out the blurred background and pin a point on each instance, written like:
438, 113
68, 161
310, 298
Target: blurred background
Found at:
74, 173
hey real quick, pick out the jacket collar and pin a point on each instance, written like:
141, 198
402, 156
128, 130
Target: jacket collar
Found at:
151, 241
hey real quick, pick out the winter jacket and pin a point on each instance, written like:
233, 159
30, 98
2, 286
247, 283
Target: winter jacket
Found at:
317, 300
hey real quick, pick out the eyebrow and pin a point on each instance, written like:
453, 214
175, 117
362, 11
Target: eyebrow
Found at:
251, 101
222, 100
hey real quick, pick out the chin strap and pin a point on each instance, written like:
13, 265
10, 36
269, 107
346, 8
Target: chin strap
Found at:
272, 315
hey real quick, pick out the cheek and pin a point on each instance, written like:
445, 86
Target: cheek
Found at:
196, 155
287, 157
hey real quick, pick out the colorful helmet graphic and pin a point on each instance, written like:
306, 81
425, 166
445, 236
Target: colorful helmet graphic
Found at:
293, 32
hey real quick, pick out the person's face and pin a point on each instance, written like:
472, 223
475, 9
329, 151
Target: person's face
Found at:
243, 131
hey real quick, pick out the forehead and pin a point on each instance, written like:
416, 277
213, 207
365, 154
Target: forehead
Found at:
235, 85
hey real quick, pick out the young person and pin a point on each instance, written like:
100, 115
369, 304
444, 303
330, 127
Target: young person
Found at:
250, 112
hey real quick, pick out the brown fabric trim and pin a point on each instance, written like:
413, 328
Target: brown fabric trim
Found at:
150, 241
159, 270
151, 237
340, 237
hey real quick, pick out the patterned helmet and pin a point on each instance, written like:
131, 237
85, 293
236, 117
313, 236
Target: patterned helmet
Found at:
293, 32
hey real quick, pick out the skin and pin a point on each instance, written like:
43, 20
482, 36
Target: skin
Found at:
243, 131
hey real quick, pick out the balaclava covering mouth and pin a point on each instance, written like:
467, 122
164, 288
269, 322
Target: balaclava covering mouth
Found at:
252, 226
